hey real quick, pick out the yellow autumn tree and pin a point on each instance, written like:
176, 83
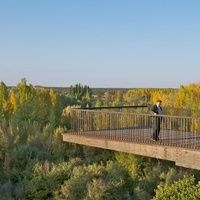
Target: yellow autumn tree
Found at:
188, 96
52, 97
12, 103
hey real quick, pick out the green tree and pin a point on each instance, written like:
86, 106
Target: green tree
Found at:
82, 94
57, 109
96, 182
47, 178
3, 101
25, 101
183, 189
43, 106
25, 92
133, 163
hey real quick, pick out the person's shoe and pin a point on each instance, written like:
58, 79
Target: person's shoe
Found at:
153, 139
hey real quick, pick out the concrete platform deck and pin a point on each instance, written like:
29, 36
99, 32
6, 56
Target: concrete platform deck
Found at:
183, 148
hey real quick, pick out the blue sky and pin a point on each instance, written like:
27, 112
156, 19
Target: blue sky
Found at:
100, 43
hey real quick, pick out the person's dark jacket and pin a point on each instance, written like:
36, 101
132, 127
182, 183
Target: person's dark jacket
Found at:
155, 109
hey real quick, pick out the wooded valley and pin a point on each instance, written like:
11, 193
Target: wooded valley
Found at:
36, 164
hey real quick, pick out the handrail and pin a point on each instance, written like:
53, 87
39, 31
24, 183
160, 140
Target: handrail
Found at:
145, 114
147, 109
112, 107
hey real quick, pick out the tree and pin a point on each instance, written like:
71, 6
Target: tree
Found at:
82, 94
25, 92
3, 101
118, 95
46, 178
183, 189
43, 106
96, 182
26, 96
133, 163
12, 104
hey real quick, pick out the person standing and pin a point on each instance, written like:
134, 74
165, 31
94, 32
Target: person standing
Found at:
157, 110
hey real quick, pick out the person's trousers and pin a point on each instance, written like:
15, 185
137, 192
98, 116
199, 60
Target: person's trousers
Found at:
156, 128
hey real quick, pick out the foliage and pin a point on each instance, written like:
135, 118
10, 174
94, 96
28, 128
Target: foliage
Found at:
82, 94
188, 96
97, 155
95, 182
133, 163
4, 112
183, 189
150, 95
36, 164
46, 178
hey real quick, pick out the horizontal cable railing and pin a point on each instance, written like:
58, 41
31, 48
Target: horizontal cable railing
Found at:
177, 131
181, 112
147, 110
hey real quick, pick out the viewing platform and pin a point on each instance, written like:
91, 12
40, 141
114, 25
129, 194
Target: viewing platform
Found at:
129, 129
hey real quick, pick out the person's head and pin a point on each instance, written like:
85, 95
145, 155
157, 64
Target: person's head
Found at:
158, 102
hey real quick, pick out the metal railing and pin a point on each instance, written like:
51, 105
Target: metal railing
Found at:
180, 131
146, 109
